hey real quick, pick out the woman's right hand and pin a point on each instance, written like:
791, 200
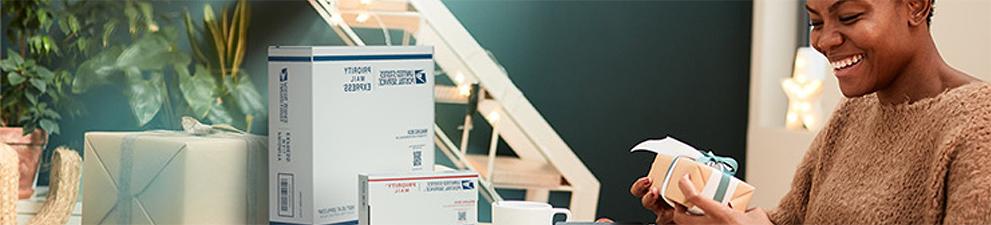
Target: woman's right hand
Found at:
651, 199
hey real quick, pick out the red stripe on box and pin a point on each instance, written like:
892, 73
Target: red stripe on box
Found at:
422, 178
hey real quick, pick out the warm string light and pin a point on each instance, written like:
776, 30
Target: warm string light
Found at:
459, 77
804, 89
494, 117
336, 19
362, 17
464, 89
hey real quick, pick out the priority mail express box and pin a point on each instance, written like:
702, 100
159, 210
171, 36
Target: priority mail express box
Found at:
336, 112
442, 198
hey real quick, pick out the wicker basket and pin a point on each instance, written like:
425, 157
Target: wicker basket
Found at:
8, 184
63, 188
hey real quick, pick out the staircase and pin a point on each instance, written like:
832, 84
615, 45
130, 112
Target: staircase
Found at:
545, 162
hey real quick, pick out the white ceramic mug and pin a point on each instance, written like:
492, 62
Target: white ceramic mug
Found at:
525, 213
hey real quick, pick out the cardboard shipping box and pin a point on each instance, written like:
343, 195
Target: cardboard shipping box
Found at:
335, 112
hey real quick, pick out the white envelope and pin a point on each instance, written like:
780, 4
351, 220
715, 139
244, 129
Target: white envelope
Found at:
173, 178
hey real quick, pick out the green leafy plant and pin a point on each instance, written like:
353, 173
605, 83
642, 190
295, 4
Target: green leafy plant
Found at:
86, 31
152, 66
30, 22
30, 90
93, 26
142, 66
140, 57
220, 90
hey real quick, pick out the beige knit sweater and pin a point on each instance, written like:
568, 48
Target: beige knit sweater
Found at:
926, 162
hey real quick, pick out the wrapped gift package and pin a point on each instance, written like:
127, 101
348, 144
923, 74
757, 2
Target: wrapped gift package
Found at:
336, 112
712, 176
170, 177
441, 198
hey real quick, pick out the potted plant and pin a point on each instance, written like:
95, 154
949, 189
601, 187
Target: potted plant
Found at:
27, 114
29, 91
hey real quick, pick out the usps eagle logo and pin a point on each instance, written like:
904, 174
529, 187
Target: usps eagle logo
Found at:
421, 76
467, 184
284, 75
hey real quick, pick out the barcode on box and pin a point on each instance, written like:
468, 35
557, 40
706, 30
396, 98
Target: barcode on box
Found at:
285, 195
417, 159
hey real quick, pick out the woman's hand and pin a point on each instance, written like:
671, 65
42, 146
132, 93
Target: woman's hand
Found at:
651, 199
715, 213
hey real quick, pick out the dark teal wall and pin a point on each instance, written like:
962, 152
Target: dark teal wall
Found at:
608, 74
604, 74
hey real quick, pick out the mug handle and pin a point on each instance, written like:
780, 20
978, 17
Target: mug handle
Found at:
566, 212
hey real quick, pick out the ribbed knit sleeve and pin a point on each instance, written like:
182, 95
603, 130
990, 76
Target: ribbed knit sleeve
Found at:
968, 182
921, 162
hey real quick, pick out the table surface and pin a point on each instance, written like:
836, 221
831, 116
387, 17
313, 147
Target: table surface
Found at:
27, 208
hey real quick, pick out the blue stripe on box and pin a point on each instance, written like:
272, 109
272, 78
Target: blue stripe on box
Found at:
352, 222
370, 57
290, 59
347, 57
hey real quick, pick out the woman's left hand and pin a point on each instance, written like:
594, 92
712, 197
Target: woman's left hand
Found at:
715, 213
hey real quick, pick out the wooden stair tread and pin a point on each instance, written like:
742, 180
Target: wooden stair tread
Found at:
512, 171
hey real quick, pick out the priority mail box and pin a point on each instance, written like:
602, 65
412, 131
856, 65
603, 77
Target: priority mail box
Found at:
443, 198
336, 112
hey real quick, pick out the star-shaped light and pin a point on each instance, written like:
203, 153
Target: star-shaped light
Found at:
804, 89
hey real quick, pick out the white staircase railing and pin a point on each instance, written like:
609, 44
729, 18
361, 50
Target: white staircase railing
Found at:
546, 163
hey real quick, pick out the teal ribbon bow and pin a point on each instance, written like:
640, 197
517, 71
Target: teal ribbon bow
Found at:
194, 127
726, 164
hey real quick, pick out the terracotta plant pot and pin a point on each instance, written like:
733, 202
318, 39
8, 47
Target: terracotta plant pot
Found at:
29, 148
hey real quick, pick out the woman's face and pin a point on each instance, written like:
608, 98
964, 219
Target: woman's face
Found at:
866, 41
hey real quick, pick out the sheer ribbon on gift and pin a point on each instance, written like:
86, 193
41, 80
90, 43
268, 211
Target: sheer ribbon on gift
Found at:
256, 145
725, 164
673, 147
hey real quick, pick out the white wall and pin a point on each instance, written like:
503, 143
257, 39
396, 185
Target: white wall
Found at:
962, 29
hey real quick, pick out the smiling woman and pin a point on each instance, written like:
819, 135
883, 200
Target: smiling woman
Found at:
909, 144
871, 51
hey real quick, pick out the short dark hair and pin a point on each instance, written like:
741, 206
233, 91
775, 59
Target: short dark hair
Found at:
932, 9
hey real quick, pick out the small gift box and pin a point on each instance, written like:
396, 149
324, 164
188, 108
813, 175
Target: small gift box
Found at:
711, 175
203, 175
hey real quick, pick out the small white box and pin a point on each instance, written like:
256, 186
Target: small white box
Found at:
443, 198
336, 112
